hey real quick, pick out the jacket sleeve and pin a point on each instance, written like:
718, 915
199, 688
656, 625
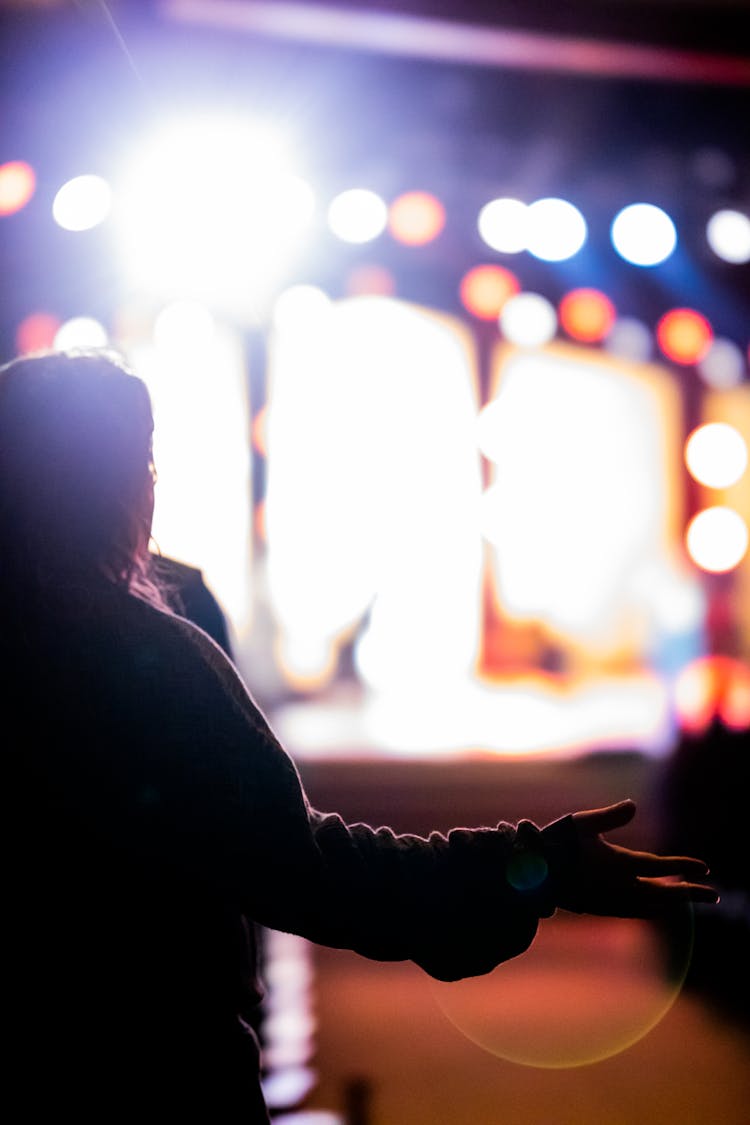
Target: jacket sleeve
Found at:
234, 811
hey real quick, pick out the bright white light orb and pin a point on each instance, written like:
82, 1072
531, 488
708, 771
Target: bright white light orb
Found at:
81, 332
728, 234
502, 225
82, 203
184, 325
300, 305
357, 215
643, 234
528, 320
716, 455
630, 339
210, 210
717, 539
555, 229
723, 365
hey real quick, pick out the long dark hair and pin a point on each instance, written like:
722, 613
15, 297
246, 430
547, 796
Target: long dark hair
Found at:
75, 474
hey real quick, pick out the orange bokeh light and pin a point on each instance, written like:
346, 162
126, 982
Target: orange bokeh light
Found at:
17, 184
684, 335
416, 218
36, 332
485, 290
258, 431
710, 687
586, 314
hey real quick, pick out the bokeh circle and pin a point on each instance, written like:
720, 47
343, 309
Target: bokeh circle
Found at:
587, 989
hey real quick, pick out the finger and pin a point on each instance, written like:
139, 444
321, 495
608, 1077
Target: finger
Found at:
648, 863
606, 819
670, 893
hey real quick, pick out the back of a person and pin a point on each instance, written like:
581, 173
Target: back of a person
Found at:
123, 967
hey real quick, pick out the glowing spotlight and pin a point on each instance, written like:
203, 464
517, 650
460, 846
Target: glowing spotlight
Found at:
211, 211
357, 215
416, 218
528, 320
36, 332
586, 314
82, 203
716, 455
717, 539
684, 335
643, 234
630, 339
728, 234
484, 290
81, 332
300, 305
723, 365
555, 229
502, 225
184, 326
17, 185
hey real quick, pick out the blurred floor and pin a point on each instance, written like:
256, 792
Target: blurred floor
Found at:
382, 1023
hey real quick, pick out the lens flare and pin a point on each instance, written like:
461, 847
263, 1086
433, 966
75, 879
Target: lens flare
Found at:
587, 989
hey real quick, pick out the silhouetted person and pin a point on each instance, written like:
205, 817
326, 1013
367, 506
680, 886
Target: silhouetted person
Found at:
148, 806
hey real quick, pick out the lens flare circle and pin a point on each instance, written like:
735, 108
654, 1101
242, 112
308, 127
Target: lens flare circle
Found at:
586, 990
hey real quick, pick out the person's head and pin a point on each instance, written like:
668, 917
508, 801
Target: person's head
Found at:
76, 470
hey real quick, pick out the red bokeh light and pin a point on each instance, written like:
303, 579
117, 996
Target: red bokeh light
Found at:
36, 332
684, 335
711, 687
17, 184
485, 290
586, 314
416, 218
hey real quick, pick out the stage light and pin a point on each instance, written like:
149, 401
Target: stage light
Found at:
717, 539
713, 686
578, 494
36, 332
300, 305
82, 203
528, 320
716, 455
184, 326
555, 229
502, 225
81, 332
586, 314
684, 335
630, 339
209, 210
357, 215
723, 365
17, 185
416, 218
643, 234
370, 281
728, 234
484, 290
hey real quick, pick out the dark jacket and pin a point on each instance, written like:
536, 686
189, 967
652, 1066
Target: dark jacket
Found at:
148, 807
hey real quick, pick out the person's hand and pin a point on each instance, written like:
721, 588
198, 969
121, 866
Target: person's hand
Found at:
611, 880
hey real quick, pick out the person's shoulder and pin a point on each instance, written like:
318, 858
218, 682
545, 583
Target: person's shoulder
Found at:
173, 571
185, 648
